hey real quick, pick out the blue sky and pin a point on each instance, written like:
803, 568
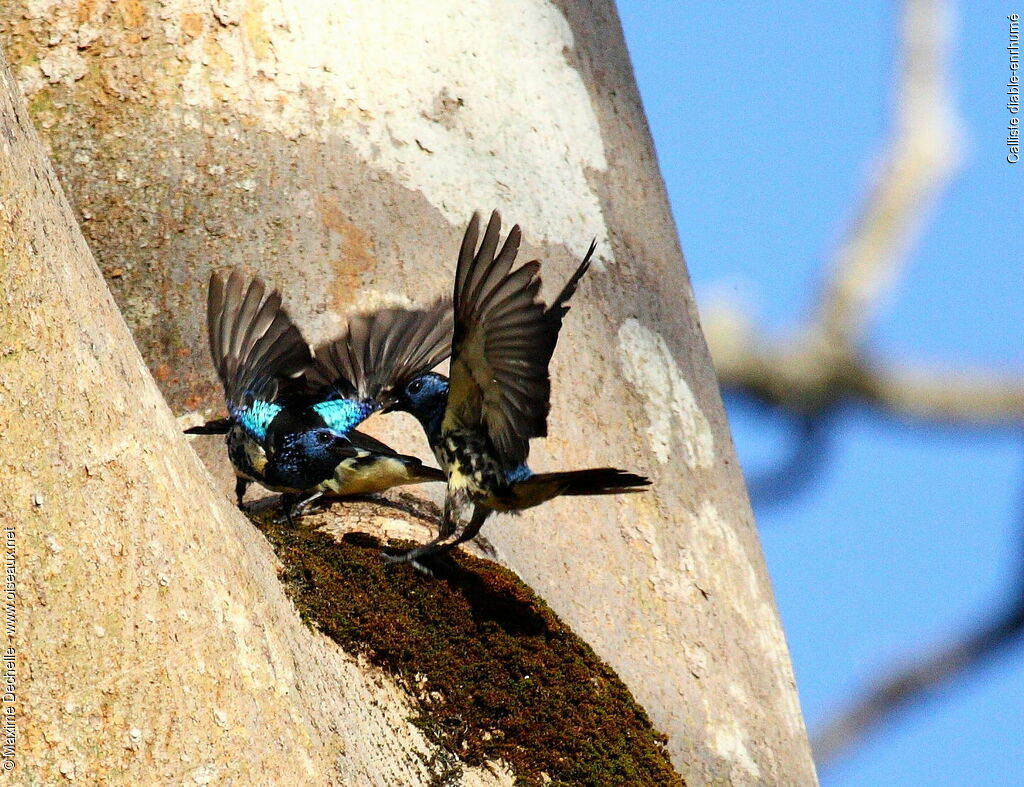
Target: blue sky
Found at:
767, 119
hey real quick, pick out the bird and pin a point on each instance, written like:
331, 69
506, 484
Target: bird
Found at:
292, 411
480, 420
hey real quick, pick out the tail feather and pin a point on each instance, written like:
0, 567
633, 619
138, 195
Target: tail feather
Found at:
217, 426
596, 481
421, 473
366, 474
415, 471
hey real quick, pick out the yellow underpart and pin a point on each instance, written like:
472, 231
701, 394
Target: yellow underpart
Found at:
368, 479
256, 456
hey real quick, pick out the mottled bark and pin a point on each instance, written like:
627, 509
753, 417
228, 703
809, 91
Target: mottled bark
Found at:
338, 149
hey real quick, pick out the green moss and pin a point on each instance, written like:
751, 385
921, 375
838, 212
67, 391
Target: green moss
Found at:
494, 673
42, 102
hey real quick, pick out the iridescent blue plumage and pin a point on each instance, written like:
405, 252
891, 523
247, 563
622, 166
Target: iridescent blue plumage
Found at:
343, 415
519, 474
256, 418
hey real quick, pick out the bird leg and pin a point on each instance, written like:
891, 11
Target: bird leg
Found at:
413, 556
448, 520
480, 515
293, 509
241, 484
303, 505
287, 501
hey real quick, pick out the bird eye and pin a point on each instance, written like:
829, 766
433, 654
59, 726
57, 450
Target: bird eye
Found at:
415, 386
323, 438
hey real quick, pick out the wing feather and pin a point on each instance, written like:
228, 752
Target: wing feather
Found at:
379, 352
499, 381
504, 337
253, 343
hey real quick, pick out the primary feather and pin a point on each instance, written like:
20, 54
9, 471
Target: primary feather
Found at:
381, 351
255, 347
499, 371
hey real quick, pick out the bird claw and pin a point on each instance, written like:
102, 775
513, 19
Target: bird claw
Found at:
414, 557
289, 507
420, 568
293, 510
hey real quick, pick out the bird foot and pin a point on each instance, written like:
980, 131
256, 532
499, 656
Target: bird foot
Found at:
293, 510
424, 559
421, 568
288, 506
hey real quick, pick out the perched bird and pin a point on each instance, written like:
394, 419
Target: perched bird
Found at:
480, 420
292, 414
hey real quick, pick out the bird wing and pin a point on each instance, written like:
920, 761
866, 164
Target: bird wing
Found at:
499, 372
379, 352
364, 441
560, 306
377, 467
255, 346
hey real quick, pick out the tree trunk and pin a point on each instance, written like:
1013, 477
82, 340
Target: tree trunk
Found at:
339, 149
154, 642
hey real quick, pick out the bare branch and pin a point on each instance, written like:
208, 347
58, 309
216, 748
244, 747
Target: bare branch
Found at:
917, 163
799, 469
822, 363
807, 375
962, 396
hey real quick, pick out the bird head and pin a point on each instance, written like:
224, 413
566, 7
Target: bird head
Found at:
423, 396
307, 456
320, 442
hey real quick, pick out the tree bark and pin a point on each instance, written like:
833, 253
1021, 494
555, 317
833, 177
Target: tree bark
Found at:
338, 149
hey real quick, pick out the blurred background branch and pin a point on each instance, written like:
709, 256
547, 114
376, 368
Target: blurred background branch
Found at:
823, 365
919, 679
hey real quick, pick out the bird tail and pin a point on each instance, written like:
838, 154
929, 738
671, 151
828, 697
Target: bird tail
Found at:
367, 474
217, 426
421, 473
377, 467
597, 481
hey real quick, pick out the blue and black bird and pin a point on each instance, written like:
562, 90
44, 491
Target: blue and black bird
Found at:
479, 422
292, 413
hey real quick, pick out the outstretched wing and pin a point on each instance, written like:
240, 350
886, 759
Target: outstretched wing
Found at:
501, 348
255, 347
381, 351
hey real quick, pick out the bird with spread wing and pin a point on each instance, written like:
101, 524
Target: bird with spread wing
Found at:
292, 413
480, 420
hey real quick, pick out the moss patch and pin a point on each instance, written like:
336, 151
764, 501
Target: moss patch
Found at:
494, 673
